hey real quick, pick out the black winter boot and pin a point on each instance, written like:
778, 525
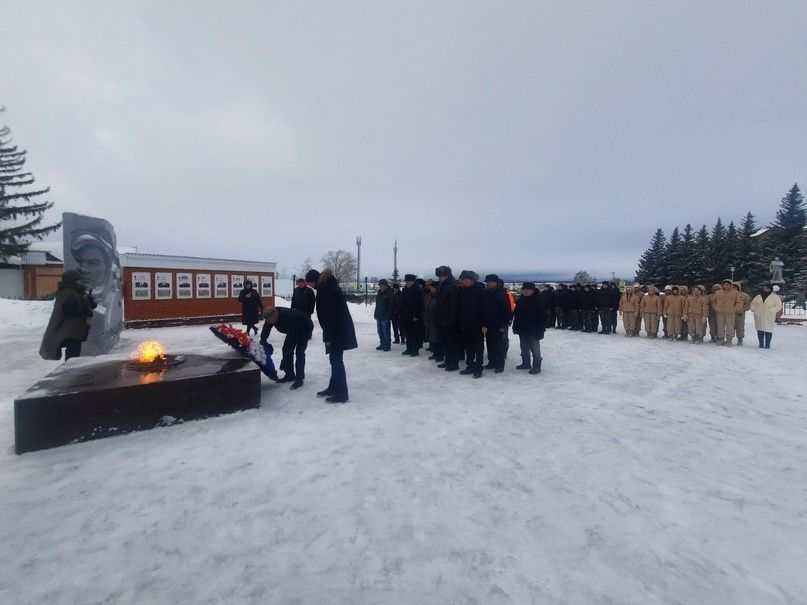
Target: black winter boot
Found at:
536, 369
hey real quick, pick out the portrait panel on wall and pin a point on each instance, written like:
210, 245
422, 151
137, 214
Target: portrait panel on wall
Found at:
184, 285
267, 285
222, 285
203, 285
163, 288
255, 283
90, 247
238, 284
141, 285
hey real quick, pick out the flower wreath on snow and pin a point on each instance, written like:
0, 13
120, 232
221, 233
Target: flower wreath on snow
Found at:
239, 340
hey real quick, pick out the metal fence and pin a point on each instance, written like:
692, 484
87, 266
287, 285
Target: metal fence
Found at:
792, 310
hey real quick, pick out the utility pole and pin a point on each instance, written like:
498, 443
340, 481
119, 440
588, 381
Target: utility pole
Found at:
358, 262
395, 262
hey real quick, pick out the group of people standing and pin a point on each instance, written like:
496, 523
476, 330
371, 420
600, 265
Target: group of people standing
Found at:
459, 319
681, 314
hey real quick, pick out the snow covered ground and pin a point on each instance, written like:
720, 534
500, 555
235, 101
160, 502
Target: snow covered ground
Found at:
630, 471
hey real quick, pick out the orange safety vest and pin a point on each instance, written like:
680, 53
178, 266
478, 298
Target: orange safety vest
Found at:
512, 298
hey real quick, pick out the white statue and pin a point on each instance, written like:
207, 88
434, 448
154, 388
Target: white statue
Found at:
776, 268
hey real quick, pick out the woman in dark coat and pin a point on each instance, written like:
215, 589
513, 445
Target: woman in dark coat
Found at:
70, 320
251, 307
529, 322
337, 331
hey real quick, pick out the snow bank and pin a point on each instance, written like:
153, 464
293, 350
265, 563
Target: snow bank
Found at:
630, 471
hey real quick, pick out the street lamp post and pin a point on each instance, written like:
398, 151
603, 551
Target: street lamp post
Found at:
358, 262
732, 273
365, 290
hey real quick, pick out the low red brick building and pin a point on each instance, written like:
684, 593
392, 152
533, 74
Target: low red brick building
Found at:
164, 290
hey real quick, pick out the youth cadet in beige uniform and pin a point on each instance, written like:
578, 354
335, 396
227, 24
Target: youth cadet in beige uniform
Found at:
651, 308
727, 304
673, 310
697, 312
628, 309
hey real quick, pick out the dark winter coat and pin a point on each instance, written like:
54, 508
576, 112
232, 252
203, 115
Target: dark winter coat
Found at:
333, 315
70, 319
383, 305
576, 299
303, 300
291, 322
548, 297
395, 306
529, 318
562, 297
251, 306
473, 308
499, 314
447, 311
431, 331
412, 303
588, 299
616, 296
603, 297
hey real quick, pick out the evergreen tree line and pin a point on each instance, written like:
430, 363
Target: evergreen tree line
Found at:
706, 256
21, 213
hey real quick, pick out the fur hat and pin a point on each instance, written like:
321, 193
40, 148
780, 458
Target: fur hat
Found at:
466, 274
442, 271
409, 277
69, 277
383, 282
528, 285
491, 277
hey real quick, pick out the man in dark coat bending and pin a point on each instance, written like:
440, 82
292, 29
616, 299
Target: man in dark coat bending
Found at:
298, 328
337, 331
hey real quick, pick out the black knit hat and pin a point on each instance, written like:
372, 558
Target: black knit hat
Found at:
383, 282
491, 277
420, 282
312, 276
409, 277
528, 285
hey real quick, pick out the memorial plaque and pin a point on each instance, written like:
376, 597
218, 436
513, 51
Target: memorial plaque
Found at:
90, 247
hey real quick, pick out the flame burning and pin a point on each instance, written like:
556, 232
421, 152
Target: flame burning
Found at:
149, 352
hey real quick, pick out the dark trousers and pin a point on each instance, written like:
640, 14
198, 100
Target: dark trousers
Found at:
575, 321
293, 346
338, 382
590, 320
72, 348
530, 350
614, 320
396, 332
494, 340
560, 317
452, 346
474, 344
253, 327
764, 339
437, 350
383, 333
505, 343
549, 317
605, 318
414, 336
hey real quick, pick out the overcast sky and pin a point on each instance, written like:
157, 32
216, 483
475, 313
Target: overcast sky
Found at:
504, 136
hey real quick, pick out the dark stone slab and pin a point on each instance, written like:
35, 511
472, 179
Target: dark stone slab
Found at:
81, 401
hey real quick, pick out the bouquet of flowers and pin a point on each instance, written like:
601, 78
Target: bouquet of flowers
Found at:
239, 340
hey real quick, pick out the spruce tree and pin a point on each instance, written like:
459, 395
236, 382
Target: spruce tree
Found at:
718, 261
689, 258
20, 218
787, 234
703, 246
673, 269
732, 248
653, 260
749, 265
